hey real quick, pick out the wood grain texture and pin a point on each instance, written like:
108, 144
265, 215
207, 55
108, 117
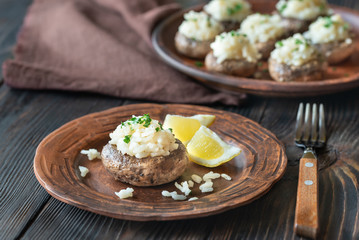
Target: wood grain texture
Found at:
261, 164
336, 78
306, 211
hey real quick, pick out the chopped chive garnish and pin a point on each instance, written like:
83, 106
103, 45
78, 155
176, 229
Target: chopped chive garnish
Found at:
170, 129
298, 41
157, 129
127, 138
280, 43
198, 64
281, 8
233, 10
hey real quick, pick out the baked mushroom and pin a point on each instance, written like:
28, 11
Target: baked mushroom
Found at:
196, 33
263, 31
142, 153
233, 54
331, 36
294, 59
229, 13
298, 14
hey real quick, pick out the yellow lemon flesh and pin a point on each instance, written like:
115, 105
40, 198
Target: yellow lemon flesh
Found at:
206, 148
185, 127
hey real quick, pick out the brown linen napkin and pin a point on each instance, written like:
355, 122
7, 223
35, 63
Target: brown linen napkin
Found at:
101, 46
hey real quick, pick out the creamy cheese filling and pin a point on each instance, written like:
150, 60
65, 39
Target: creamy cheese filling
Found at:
328, 29
302, 9
199, 26
228, 10
294, 51
234, 45
142, 137
262, 27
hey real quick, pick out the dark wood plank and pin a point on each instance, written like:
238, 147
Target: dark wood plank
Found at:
25, 119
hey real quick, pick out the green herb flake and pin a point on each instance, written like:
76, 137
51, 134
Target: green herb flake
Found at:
127, 139
259, 64
158, 129
161, 126
298, 41
170, 129
234, 10
265, 70
209, 24
198, 64
346, 75
147, 120
334, 68
328, 22
279, 43
295, 49
282, 8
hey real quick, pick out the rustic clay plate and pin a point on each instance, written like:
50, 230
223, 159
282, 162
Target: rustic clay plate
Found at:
337, 78
253, 172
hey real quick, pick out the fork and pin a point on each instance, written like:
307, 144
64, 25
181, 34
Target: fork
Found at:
310, 133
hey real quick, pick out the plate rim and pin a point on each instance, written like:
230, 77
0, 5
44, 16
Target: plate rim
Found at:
247, 85
58, 193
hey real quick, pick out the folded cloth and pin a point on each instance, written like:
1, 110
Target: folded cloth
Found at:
101, 46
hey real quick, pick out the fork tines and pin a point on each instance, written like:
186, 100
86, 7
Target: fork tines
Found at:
308, 125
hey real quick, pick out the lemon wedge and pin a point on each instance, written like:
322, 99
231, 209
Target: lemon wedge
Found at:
206, 148
185, 127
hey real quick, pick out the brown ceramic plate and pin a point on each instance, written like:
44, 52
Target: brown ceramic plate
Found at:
261, 164
337, 78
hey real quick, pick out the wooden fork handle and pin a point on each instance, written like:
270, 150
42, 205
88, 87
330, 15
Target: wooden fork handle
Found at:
306, 211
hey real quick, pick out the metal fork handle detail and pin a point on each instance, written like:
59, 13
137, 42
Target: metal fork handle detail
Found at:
306, 211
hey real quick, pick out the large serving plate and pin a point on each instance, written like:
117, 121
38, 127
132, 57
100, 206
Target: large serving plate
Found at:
337, 78
261, 164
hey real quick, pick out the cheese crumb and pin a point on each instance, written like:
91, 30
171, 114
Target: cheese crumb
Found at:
125, 193
210, 175
192, 199
225, 176
206, 187
83, 171
190, 183
183, 187
196, 178
91, 153
174, 195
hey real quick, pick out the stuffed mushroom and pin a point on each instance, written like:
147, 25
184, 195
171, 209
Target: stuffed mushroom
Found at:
298, 14
233, 54
229, 13
294, 59
331, 36
142, 153
195, 34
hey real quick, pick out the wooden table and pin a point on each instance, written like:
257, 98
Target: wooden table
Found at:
27, 210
